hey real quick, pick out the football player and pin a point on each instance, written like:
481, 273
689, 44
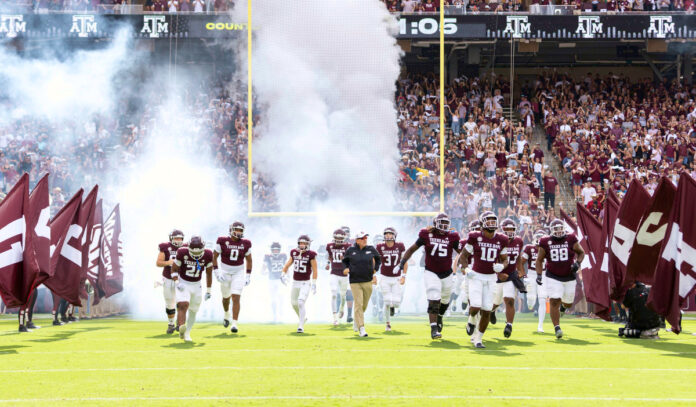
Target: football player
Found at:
376, 298
273, 265
233, 251
338, 282
505, 289
440, 244
165, 259
489, 253
391, 278
349, 294
462, 285
563, 256
534, 291
189, 264
304, 262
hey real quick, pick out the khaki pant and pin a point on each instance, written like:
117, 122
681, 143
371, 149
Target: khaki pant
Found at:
361, 297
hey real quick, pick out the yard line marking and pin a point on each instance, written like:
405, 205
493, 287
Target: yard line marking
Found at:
353, 397
20, 352
525, 368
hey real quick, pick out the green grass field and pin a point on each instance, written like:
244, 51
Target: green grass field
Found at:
123, 362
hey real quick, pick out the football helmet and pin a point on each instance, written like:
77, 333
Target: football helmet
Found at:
176, 234
378, 239
303, 240
346, 229
537, 236
509, 227
196, 247
475, 226
339, 236
237, 230
441, 222
489, 221
558, 230
389, 234
275, 248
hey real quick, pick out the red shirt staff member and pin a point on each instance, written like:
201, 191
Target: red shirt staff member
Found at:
361, 262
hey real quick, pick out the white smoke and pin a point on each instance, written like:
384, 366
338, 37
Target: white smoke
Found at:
324, 74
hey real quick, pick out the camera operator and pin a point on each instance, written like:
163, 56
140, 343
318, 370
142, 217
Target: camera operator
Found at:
642, 321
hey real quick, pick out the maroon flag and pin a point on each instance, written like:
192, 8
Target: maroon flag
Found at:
110, 274
66, 256
591, 230
93, 253
598, 291
625, 228
651, 233
18, 266
86, 219
39, 219
675, 276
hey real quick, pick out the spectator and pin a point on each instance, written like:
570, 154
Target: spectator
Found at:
550, 190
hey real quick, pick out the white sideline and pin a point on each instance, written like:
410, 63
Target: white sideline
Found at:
353, 397
369, 367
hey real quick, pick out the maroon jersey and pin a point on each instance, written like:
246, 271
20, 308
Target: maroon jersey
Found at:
191, 269
530, 253
514, 248
391, 257
169, 251
301, 264
559, 256
439, 249
485, 250
335, 251
232, 252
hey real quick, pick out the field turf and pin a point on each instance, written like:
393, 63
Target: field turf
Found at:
124, 362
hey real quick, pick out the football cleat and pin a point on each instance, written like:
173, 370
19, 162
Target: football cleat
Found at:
234, 329
300, 330
349, 319
470, 328
559, 332
494, 319
187, 338
540, 330
30, 325
64, 320
479, 345
182, 331
72, 319
391, 311
508, 330
23, 328
225, 323
57, 323
439, 323
170, 329
388, 328
363, 334
434, 333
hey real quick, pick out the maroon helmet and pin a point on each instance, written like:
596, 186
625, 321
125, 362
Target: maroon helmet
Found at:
489, 221
176, 234
558, 230
441, 222
389, 231
475, 226
303, 239
237, 230
339, 236
196, 247
509, 227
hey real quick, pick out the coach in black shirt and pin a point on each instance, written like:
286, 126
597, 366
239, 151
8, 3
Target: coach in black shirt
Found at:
361, 261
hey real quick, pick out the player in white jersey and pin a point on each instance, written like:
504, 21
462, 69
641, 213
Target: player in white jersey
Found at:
273, 266
534, 291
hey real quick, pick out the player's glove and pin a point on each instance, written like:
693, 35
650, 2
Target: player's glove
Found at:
497, 267
575, 267
284, 279
248, 279
314, 287
207, 294
538, 279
